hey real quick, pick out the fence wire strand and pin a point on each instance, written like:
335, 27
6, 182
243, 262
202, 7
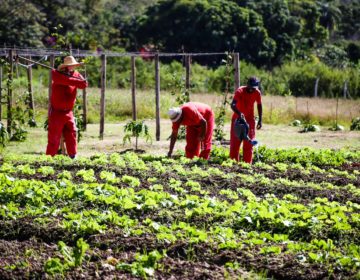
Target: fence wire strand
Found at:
85, 53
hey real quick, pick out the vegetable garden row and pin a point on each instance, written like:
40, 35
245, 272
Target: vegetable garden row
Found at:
294, 214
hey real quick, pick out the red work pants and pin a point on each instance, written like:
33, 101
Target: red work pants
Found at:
235, 142
193, 143
61, 123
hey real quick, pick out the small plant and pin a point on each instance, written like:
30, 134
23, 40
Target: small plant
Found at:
4, 136
182, 97
355, 124
73, 257
78, 118
296, 123
144, 266
136, 129
337, 127
219, 133
310, 127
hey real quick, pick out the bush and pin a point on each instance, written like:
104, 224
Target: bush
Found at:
292, 78
310, 128
355, 124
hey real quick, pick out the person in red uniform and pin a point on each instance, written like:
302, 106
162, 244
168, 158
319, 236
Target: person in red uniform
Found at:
199, 121
243, 107
65, 81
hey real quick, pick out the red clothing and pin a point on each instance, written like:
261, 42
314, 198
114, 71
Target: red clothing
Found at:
61, 123
245, 104
245, 101
63, 94
235, 143
193, 113
61, 118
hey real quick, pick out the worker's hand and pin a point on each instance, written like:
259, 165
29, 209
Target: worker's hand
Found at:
259, 124
242, 116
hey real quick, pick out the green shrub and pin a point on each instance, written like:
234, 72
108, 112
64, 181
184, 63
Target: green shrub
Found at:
355, 124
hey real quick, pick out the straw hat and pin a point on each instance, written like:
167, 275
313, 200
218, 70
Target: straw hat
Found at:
175, 114
69, 61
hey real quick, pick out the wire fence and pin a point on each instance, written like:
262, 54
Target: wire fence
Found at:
98, 53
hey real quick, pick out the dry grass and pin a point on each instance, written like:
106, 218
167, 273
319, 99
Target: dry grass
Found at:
320, 109
277, 109
273, 136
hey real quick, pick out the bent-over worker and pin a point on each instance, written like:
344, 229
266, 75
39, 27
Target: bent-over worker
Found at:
199, 121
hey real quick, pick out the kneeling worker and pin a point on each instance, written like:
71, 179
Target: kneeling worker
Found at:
199, 121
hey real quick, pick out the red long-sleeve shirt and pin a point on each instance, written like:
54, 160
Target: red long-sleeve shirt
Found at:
245, 102
193, 113
64, 87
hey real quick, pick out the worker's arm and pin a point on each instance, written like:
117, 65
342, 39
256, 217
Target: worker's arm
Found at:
236, 110
259, 124
173, 139
66, 80
203, 128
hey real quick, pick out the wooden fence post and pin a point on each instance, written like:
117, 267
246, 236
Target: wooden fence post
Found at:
9, 95
102, 100
237, 70
30, 89
1, 89
84, 99
157, 96
133, 87
188, 71
337, 108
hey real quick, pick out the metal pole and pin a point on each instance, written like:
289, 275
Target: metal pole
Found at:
316, 87
102, 100
157, 96
345, 89
133, 87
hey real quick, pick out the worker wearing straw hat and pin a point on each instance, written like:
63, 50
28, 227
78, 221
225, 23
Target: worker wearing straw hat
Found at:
199, 121
65, 82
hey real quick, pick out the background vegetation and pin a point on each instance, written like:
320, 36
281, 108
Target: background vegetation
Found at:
288, 43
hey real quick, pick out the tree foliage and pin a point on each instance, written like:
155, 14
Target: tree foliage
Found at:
21, 23
202, 26
266, 33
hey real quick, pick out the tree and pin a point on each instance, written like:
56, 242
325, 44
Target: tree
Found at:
349, 26
203, 26
21, 23
312, 34
330, 15
282, 27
